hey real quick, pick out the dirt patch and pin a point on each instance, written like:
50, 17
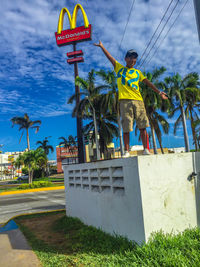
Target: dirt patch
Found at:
42, 229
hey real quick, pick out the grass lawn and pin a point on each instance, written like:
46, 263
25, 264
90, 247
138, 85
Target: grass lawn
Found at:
64, 241
6, 188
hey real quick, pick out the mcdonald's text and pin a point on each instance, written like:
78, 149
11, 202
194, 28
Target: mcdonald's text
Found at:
78, 34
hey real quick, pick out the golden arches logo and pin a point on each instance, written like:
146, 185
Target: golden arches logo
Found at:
72, 19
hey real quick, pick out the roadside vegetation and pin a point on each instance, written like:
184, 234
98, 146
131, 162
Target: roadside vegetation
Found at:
58, 240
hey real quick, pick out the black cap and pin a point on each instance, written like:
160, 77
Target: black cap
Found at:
131, 53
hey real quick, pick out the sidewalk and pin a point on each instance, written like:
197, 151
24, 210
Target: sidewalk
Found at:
15, 251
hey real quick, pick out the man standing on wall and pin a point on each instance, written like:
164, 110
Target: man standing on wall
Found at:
130, 99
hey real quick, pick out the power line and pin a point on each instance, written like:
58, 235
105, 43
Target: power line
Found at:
156, 30
167, 32
127, 23
160, 33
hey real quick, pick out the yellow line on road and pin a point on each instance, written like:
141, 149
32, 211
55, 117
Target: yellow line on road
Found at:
32, 190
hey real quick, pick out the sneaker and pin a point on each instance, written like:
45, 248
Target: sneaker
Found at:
126, 154
146, 152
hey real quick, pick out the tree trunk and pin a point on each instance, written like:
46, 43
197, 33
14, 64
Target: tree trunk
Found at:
187, 147
154, 140
29, 175
28, 142
193, 131
161, 147
120, 134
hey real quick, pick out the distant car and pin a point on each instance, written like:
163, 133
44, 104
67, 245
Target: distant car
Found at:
22, 178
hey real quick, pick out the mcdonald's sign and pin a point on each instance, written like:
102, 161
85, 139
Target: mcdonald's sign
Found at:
74, 34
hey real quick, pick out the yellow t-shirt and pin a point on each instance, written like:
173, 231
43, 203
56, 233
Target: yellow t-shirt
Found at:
128, 82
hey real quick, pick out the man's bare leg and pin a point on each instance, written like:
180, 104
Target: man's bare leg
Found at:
126, 141
144, 136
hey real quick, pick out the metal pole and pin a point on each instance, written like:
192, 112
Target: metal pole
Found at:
78, 120
197, 13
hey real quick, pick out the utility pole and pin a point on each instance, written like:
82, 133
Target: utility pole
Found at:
197, 14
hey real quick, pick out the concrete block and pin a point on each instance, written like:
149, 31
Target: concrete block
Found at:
136, 196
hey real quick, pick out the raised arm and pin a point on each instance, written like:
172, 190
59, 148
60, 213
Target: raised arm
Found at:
108, 55
150, 84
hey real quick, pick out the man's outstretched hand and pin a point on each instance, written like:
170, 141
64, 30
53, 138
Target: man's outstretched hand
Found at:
99, 44
164, 95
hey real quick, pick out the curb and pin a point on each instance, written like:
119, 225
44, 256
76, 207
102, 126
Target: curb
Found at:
32, 190
24, 214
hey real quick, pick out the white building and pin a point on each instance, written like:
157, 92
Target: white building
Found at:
7, 169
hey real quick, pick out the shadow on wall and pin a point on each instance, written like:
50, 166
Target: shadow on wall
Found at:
196, 167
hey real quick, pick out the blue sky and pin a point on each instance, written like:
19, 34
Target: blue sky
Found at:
34, 75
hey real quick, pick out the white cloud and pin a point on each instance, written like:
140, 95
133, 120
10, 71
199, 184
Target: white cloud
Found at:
31, 61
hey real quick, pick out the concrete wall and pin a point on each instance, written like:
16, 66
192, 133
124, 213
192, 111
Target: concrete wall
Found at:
135, 196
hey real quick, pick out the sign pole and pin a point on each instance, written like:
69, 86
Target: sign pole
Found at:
78, 119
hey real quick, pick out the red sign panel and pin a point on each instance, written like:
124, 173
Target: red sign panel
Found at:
75, 53
76, 59
78, 34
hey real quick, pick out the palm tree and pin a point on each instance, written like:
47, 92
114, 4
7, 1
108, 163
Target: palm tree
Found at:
45, 146
152, 103
34, 159
179, 91
25, 124
69, 143
197, 132
107, 129
192, 101
110, 99
89, 92
91, 95
19, 162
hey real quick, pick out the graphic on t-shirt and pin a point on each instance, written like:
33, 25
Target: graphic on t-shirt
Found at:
130, 81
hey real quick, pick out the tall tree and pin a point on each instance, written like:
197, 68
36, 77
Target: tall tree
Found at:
45, 146
179, 90
32, 159
110, 99
192, 102
197, 132
107, 128
89, 93
153, 103
70, 143
19, 162
25, 124
91, 100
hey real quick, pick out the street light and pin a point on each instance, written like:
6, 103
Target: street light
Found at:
95, 128
1, 160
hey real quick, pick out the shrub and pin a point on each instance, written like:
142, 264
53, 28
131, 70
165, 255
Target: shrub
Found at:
35, 185
25, 170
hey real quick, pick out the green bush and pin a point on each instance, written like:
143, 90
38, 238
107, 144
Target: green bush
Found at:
35, 185
25, 170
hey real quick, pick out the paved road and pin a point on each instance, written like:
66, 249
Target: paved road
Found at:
12, 205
